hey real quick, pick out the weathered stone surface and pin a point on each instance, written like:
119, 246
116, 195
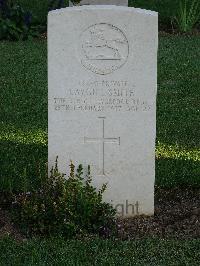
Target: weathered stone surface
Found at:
102, 65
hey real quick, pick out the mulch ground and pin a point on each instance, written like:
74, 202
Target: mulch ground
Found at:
7, 228
174, 32
177, 215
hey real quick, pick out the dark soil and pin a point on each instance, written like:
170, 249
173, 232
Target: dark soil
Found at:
171, 32
7, 228
177, 215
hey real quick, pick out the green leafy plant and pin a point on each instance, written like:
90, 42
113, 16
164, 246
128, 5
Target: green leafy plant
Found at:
64, 206
188, 15
15, 23
75, 2
56, 4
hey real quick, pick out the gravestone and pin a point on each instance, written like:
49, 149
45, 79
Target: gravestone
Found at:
102, 67
102, 2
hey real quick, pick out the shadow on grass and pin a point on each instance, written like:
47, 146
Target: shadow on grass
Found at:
177, 172
22, 166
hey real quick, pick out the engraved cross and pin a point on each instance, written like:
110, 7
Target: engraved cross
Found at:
101, 141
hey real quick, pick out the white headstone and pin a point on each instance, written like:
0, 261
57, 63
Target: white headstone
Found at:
102, 76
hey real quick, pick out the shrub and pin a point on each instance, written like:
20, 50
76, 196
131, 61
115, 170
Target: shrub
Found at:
56, 4
15, 23
165, 8
40, 8
64, 207
75, 2
188, 15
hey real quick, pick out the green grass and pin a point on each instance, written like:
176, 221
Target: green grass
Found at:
100, 252
23, 116
23, 146
178, 111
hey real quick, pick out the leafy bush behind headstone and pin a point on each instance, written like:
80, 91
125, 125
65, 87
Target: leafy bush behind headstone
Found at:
15, 22
167, 9
40, 8
188, 15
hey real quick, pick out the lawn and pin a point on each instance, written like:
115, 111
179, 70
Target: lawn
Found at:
23, 151
23, 116
99, 252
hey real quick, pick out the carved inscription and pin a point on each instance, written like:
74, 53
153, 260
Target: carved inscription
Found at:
98, 96
102, 141
104, 48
